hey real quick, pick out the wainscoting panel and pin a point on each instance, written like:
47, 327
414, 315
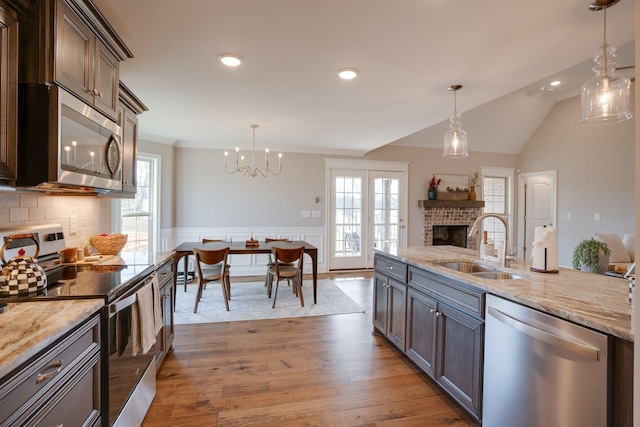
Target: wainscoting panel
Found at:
248, 265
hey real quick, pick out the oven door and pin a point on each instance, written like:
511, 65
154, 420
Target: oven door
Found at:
131, 377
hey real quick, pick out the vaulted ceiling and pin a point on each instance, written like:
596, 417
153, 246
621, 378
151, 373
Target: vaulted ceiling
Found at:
408, 53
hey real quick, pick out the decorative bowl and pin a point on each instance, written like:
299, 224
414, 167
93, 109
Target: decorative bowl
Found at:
108, 244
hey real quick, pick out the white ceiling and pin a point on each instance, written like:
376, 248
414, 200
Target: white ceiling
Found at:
408, 51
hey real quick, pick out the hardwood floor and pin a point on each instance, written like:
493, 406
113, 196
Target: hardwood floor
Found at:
313, 371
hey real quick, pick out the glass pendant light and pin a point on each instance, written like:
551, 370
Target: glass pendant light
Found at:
605, 98
455, 140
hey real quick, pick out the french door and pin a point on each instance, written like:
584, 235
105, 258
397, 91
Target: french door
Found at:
367, 210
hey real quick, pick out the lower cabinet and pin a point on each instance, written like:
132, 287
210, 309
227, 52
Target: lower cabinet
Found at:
164, 340
459, 357
62, 386
421, 330
389, 302
438, 324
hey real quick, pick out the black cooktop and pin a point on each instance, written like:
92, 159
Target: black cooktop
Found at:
73, 282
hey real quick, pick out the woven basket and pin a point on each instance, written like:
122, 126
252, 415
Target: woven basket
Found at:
110, 244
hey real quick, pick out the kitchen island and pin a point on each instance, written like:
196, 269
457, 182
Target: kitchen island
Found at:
430, 303
597, 301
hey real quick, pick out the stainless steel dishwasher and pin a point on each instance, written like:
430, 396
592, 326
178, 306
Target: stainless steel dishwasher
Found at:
540, 370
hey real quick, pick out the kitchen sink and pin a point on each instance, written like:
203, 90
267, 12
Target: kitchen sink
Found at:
496, 275
466, 266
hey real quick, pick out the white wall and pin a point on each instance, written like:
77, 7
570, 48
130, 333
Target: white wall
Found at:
595, 167
206, 196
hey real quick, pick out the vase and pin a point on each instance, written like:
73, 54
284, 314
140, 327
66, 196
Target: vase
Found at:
472, 193
432, 194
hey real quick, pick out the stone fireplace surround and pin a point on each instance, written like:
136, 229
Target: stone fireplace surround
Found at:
449, 212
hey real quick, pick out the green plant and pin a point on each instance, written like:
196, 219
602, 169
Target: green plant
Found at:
588, 253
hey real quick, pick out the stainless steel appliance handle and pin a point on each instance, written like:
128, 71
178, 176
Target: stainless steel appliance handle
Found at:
121, 305
554, 340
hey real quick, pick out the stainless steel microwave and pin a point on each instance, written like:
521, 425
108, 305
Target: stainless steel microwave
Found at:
64, 144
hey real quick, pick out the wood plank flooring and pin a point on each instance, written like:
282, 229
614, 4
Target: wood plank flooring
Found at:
314, 371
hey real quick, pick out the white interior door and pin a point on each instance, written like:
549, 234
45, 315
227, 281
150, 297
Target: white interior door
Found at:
539, 207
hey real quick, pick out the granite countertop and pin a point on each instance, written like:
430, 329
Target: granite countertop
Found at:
27, 328
597, 301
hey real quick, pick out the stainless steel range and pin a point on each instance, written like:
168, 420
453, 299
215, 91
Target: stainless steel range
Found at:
130, 377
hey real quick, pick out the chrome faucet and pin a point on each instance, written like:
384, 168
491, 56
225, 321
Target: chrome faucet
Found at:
505, 258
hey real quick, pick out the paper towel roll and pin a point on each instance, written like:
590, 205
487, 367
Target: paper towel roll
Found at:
544, 254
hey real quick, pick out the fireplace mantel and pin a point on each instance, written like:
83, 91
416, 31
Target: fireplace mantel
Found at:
451, 203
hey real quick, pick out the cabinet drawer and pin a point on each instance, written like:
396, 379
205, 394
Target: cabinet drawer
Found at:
78, 404
31, 383
391, 268
468, 299
165, 272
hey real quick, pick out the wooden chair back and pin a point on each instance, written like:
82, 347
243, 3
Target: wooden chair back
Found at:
211, 256
288, 255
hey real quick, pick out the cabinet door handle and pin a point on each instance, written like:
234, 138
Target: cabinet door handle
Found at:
57, 365
438, 313
389, 267
97, 93
433, 310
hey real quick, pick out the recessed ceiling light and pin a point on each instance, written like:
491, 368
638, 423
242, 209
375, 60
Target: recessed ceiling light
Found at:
555, 83
347, 73
230, 59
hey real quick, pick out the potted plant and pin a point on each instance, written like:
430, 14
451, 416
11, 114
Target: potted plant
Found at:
432, 194
591, 255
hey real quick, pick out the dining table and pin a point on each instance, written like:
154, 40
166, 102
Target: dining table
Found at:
183, 250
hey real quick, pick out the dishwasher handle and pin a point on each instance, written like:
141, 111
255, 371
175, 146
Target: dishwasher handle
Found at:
554, 340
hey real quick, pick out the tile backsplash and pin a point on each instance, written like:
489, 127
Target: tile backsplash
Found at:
25, 209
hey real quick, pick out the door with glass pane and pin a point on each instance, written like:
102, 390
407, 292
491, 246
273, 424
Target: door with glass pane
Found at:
348, 201
367, 211
386, 211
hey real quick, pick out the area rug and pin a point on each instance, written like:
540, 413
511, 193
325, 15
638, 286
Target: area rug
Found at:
249, 301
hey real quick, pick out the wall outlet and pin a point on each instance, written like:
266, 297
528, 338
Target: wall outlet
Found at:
596, 217
305, 214
73, 224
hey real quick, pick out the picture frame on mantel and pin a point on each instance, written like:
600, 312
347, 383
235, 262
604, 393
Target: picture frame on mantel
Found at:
453, 187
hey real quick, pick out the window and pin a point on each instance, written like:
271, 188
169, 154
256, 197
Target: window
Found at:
495, 201
138, 216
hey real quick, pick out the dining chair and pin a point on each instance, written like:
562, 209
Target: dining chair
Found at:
215, 269
270, 262
287, 265
207, 240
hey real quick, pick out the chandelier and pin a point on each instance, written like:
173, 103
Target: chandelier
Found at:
605, 98
252, 170
455, 139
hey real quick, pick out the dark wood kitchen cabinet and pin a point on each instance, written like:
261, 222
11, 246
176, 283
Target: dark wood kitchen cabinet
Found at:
445, 334
129, 107
76, 49
164, 340
60, 386
390, 299
437, 322
8, 93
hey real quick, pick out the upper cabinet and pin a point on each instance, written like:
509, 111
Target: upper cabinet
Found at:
8, 93
83, 64
129, 107
70, 43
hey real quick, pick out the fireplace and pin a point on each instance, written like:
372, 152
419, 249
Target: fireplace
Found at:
455, 235
449, 213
